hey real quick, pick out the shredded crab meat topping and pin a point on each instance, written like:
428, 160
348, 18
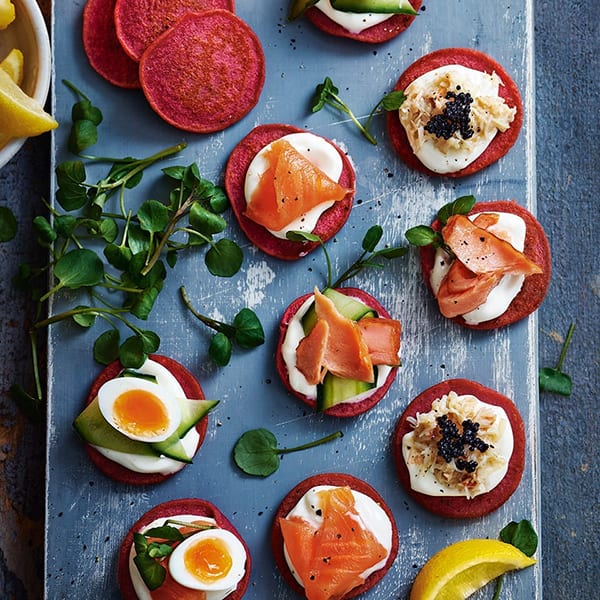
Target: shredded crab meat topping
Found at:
424, 451
487, 114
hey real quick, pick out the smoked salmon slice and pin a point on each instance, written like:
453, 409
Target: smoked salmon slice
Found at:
382, 337
330, 560
310, 353
290, 187
482, 252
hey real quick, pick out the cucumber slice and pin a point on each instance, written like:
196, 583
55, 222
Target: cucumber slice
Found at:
191, 412
334, 390
298, 7
351, 308
401, 7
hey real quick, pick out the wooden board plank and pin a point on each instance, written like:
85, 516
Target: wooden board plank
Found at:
81, 546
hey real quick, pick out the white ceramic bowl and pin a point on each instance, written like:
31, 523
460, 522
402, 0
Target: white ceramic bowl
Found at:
29, 34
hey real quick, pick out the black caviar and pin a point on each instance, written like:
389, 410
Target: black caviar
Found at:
453, 442
455, 117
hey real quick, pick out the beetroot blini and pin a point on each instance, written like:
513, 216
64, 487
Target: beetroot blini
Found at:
120, 472
329, 571
334, 396
204, 73
170, 588
445, 437
438, 103
139, 22
376, 34
327, 225
102, 48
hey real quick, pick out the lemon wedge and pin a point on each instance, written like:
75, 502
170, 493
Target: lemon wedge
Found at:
13, 65
460, 569
20, 114
7, 13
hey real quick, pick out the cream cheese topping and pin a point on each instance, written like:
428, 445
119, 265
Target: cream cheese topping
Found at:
430, 474
426, 97
372, 518
320, 153
512, 229
158, 464
294, 333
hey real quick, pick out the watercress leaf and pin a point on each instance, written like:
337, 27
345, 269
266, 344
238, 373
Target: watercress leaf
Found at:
46, 234
302, 236
166, 532
156, 550
218, 201
219, 349
393, 100
176, 172
205, 221
71, 193
137, 240
460, 206
8, 224
86, 110
322, 93
422, 235
140, 542
255, 452
84, 319
118, 256
192, 177
70, 171
109, 230
150, 341
372, 238
152, 572
131, 352
153, 216
171, 258
83, 135
65, 225
554, 381
248, 329
522, 535
390, 253
31, 406
106, 347
224, 258
153, 278
143, 303
80, 267
134, 180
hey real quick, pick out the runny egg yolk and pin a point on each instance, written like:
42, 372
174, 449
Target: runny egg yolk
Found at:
208, 560
140, 412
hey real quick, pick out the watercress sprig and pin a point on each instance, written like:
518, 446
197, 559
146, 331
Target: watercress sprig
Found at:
368, 258
256, 452
245, 330
554, 380
327, 93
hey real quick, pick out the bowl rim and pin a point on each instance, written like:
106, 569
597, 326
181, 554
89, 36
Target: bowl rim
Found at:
44, 62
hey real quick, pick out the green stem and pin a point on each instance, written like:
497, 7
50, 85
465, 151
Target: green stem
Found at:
228, 330
341, 106
565, 347
327, 438
498, 589
36, 367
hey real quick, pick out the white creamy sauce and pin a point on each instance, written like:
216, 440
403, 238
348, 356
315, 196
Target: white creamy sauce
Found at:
489, 114
372, 517
512, 229
158, 464
352, 22
294, 333
495, 430
320, 153
143, 593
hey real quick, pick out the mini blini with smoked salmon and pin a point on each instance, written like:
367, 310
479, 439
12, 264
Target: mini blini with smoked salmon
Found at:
488, 264
181, 549
141, 426
338, 350
462, 112
280, 178
333, 537
459, 449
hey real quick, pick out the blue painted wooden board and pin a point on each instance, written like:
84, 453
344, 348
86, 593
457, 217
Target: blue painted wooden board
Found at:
88, 514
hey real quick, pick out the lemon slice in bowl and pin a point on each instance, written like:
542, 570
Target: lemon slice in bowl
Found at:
13, 65
20, 114
460, 569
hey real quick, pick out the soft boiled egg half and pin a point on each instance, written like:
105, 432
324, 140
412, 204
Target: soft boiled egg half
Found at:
140, 409
212, 560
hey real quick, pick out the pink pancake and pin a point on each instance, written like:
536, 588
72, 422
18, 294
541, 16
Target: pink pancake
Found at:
139, 22
116, 471
185, 506
292, 498
502, 142
328, 225
344, 409
537, 248
373, 35
459, 507
204, 73
102, 48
